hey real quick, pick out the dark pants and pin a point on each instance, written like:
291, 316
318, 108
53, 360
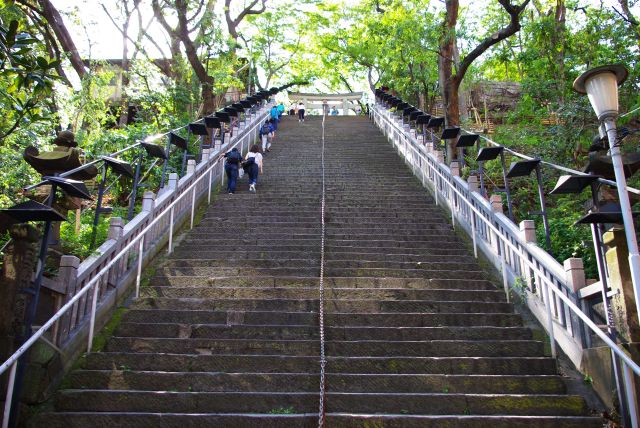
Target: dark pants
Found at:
232, 177
301, 114
253, 171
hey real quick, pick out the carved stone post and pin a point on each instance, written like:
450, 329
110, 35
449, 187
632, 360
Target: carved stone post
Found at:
472, 181
67, 274
16, 274
528, 235
496, 206
623, 302
496, 203
455, 168
191, 166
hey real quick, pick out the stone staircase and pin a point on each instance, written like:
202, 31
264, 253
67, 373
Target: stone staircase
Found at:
226, 333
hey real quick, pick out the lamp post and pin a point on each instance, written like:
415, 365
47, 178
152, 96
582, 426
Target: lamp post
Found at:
601, 85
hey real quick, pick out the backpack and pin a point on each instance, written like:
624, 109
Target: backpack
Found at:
266, 128
233, 158
248, 164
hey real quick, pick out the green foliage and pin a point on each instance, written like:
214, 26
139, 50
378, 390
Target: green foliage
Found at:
27, 73
79, 244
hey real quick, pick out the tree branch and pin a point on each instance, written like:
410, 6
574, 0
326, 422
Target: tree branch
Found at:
513, 27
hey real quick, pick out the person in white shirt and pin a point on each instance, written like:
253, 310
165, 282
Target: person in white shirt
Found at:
253, 167
301, 112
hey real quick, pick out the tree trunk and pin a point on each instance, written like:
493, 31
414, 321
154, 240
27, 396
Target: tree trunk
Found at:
209, 101
558, 47
450, 81
66, 41
449, 87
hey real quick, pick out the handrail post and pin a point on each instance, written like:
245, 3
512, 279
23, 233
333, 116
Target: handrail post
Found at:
209, 191
92, 322
170, 249
630, 392
193, 205
139, 274
9, 399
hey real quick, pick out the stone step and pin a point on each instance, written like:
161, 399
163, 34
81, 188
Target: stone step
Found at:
280, 317
310, 420
461, 265
309, 382
330, 271
362, 348
331, 306
333, 225
271, 253
302, 402
167, 362
210, 292
295, 332
330, 282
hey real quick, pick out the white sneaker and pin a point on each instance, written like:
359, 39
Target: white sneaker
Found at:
252, 188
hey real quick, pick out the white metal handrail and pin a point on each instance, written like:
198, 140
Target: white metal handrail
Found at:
137, 241
544, 267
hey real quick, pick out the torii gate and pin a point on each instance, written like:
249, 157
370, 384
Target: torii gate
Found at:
349, 101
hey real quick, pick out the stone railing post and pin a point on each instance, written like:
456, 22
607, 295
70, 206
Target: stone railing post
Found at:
623, 301
116, 225
191, 166
496, 206
68, 275
527, 230
439, 156
455, 168
173, 181
116, 230
574, 274
496, 203
149, 199
472, 181
528, 235
205, 155
575, 278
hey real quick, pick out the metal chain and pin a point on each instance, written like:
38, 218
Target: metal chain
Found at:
323, 361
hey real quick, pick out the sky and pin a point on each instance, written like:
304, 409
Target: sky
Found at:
96, 37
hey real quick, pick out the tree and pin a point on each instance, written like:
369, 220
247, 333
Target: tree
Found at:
273, 49
233, 23
48, 20
181, 34
453, 71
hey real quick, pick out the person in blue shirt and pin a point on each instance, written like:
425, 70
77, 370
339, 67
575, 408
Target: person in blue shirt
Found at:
280, 110
334, 111
274, 115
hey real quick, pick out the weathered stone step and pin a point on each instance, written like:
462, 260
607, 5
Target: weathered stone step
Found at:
333, 224
330, 282
167, 362
330, 271
438, 264
250, 243
331, 305
362, 348
295, 332
301, 402
309, 382
176, 262
408, 273
271, 253
310, 420
209, 292
281, 317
